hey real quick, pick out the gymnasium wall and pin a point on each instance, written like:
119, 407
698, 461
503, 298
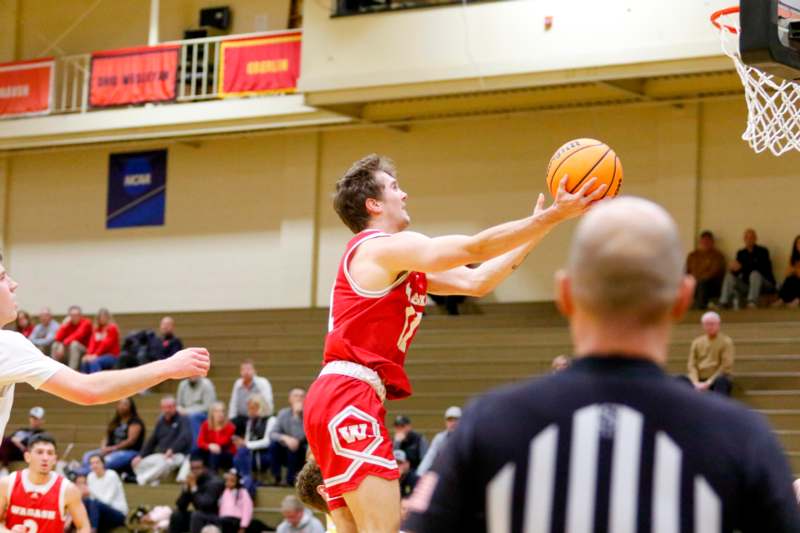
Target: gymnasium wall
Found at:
237, 230
498, 38
243, 229
83, 26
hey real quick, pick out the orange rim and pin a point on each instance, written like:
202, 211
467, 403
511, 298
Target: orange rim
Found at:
723, 13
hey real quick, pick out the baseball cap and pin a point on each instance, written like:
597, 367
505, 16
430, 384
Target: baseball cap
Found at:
400, 456
401, 420
453, 411
37, 412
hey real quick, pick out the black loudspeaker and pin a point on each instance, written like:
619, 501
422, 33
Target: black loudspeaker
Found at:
216, 17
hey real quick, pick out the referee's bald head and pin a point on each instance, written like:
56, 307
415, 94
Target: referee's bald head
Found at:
626, 262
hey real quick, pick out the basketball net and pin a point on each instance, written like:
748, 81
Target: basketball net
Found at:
773, 103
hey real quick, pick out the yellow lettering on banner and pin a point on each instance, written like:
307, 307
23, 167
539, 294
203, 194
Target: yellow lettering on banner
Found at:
267, 66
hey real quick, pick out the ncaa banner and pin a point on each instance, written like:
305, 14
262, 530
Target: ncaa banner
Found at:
26, 87
134, 76
260, 66
137, 189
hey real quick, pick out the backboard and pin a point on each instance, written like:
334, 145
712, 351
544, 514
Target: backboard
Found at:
770, 36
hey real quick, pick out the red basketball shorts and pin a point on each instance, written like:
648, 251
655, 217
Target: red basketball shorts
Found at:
345, 426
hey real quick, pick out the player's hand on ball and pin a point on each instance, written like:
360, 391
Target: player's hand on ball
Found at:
188, 363
571, 205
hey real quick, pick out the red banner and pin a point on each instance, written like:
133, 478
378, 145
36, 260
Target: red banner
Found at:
26, 87
134, 76
260, 66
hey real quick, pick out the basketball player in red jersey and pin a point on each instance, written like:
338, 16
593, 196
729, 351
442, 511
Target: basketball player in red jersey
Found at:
36, 499
376, 307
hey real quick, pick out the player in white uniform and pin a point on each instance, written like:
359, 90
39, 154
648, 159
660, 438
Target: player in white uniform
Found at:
22, 362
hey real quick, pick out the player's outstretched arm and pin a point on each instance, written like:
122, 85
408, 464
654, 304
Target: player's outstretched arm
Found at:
483, 279
112, 385
412, 251
74, 505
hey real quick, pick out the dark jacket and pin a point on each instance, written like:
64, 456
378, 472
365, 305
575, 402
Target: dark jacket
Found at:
175, 435
757, 260
206, 498
415, 446
170, 344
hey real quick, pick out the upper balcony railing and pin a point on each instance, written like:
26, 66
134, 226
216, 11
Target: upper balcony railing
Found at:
197, 72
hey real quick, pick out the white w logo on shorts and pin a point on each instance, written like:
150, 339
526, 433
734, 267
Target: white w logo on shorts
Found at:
353, 433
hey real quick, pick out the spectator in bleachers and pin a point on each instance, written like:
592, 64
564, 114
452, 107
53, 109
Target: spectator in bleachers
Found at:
23, 323
195, 398
408, 440
288, 438
236, 508
790, 288
707, 265
252, 440
13, 447
711, 357
298, 519
44, 333
451, 417
170, 344
408, 478
215, 440
124, 438
249, 383
109, 506
789, 293
167, 447
72, 338
560, 362
749, 274
201, 491
103, 349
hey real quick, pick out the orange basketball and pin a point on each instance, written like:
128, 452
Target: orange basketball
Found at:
582, 159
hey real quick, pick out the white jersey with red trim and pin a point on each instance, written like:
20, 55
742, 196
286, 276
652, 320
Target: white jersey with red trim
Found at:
375, 328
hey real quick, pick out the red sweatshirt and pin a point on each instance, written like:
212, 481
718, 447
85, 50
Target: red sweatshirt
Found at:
105, 340
223, 437
81, 332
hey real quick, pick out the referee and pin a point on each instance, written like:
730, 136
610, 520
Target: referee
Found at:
612, 444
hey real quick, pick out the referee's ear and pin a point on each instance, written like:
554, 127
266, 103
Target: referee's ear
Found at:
564, 301
685, 298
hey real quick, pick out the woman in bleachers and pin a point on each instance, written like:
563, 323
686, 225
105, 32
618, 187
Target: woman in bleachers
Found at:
124, 438
103, 350
252, 441
23, 324
215, 440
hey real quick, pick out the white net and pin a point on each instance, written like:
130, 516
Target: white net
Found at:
773, 104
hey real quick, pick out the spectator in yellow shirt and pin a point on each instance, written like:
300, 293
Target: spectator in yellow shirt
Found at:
711, 357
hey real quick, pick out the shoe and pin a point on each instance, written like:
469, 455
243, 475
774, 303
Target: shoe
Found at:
752, 305
714, 306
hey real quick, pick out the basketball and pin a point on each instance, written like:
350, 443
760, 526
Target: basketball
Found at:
582, 159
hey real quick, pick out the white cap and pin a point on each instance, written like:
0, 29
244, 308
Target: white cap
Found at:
453, 411
37, 412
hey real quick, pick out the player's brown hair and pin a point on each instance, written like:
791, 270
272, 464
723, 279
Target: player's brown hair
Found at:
306, 483
358, 184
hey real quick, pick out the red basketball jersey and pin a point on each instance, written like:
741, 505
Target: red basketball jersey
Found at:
375, 328
40, 508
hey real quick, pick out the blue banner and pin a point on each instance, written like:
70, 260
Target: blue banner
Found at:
137, 189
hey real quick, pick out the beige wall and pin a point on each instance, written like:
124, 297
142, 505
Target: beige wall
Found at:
8, 30
122, 23
237, 231
497, 38
242, 212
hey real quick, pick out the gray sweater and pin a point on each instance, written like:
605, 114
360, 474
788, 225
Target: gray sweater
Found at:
196, 398
288, 424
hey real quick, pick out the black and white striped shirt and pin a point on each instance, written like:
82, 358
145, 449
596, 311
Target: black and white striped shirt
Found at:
610, 445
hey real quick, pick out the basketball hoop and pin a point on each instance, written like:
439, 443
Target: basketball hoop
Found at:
773, 103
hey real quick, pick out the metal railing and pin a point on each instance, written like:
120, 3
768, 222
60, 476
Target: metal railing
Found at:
71, 84
198, 73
